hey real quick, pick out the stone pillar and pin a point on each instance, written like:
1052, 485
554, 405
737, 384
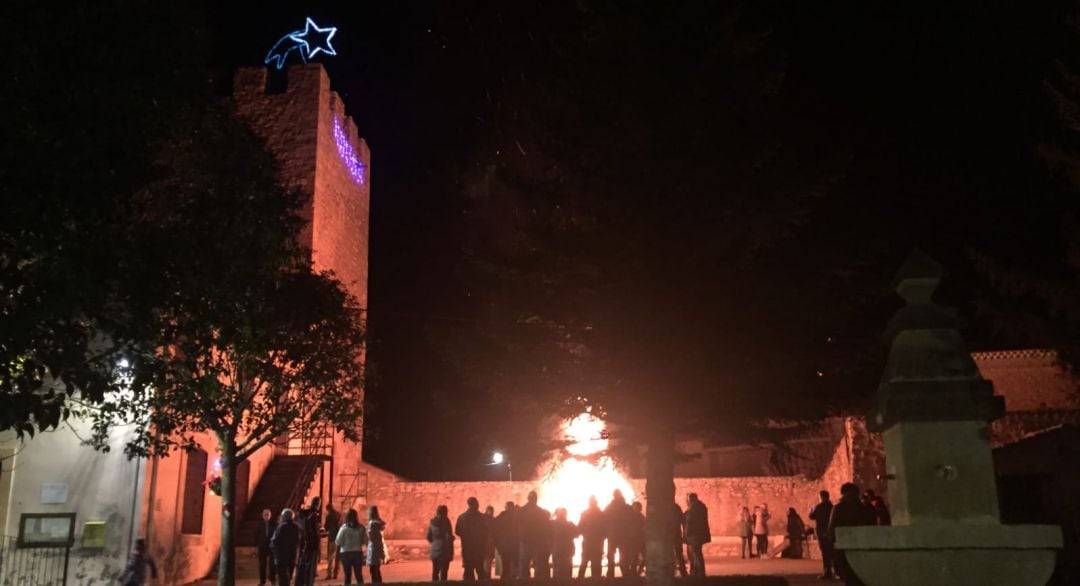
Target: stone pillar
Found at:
934, 410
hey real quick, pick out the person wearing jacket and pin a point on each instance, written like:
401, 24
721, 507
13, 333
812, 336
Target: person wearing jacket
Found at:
350, 541
441, 537
534, 532
505, 533
761, 530
376, 547
697, 532
563, 534
796, 532
135, 570
677, 538
745, 528
489, 544
471, 528
849, 512
286, 543
263, 532
593, 532
820, 514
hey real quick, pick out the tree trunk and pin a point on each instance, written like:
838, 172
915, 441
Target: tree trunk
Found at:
227, 556
660, 492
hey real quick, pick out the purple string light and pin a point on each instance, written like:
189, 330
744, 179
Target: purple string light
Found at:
347, 154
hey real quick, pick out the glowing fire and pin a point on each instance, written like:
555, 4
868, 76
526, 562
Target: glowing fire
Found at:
583, 471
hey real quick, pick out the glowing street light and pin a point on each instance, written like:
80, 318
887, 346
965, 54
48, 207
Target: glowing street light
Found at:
498, 459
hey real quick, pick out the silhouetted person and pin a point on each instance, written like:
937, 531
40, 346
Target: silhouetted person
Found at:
796, 530
618, 520
820, 515
489, 543
135, 570
286, 543
534, 531
471, 528
506, 540
563, 534
849, 512
877, 504
310, 523
331, 525
635, 541
697, 533
263, 532
677, 539
441, 537
593, 532
376, 547
745, 529
350, 540
761, 530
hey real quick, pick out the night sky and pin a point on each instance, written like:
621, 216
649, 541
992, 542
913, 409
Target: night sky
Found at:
939, 107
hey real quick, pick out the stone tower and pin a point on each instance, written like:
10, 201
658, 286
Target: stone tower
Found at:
322, 155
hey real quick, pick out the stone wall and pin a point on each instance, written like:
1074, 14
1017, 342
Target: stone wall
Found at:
408, 506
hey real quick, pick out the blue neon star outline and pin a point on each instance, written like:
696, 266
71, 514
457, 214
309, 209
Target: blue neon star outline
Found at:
302, 38
299, 41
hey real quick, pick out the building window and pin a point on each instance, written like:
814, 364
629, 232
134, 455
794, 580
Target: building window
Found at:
194, 492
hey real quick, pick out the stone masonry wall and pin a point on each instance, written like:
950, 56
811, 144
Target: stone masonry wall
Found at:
408, 506
302, 126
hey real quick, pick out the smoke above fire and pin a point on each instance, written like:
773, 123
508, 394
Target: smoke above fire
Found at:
582, 469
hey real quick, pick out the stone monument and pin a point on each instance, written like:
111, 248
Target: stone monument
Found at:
934, 411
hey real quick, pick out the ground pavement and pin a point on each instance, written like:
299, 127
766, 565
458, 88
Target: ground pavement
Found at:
798, 572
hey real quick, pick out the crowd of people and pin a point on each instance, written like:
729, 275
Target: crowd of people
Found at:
851, 510
528, 541
289, 548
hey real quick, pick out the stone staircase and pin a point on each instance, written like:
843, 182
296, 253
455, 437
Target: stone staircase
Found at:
284, 484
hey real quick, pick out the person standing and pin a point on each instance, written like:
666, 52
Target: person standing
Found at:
331, 524
563, 534
619, 524
534, 535
286, 543
489, 543
820, 515
849, 512
761, 529
506, 540
697, 533
441, 537
677, 538
350, 540
635, 542
796, 530
376, 547
471, 528
310, 523
263, 532
593, 532
745, 529
135, 570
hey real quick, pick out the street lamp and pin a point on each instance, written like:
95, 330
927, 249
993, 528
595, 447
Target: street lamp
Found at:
497, 459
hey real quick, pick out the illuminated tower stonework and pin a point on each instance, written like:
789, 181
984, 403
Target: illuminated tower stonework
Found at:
322, 155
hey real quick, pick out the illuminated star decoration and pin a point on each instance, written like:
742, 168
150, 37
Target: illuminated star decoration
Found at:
348, 155
307, 43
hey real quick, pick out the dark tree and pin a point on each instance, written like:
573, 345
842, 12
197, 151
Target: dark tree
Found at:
1038, 301
235, 336
623, 215
90, 91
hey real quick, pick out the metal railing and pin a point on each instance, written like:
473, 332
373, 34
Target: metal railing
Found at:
32, 566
